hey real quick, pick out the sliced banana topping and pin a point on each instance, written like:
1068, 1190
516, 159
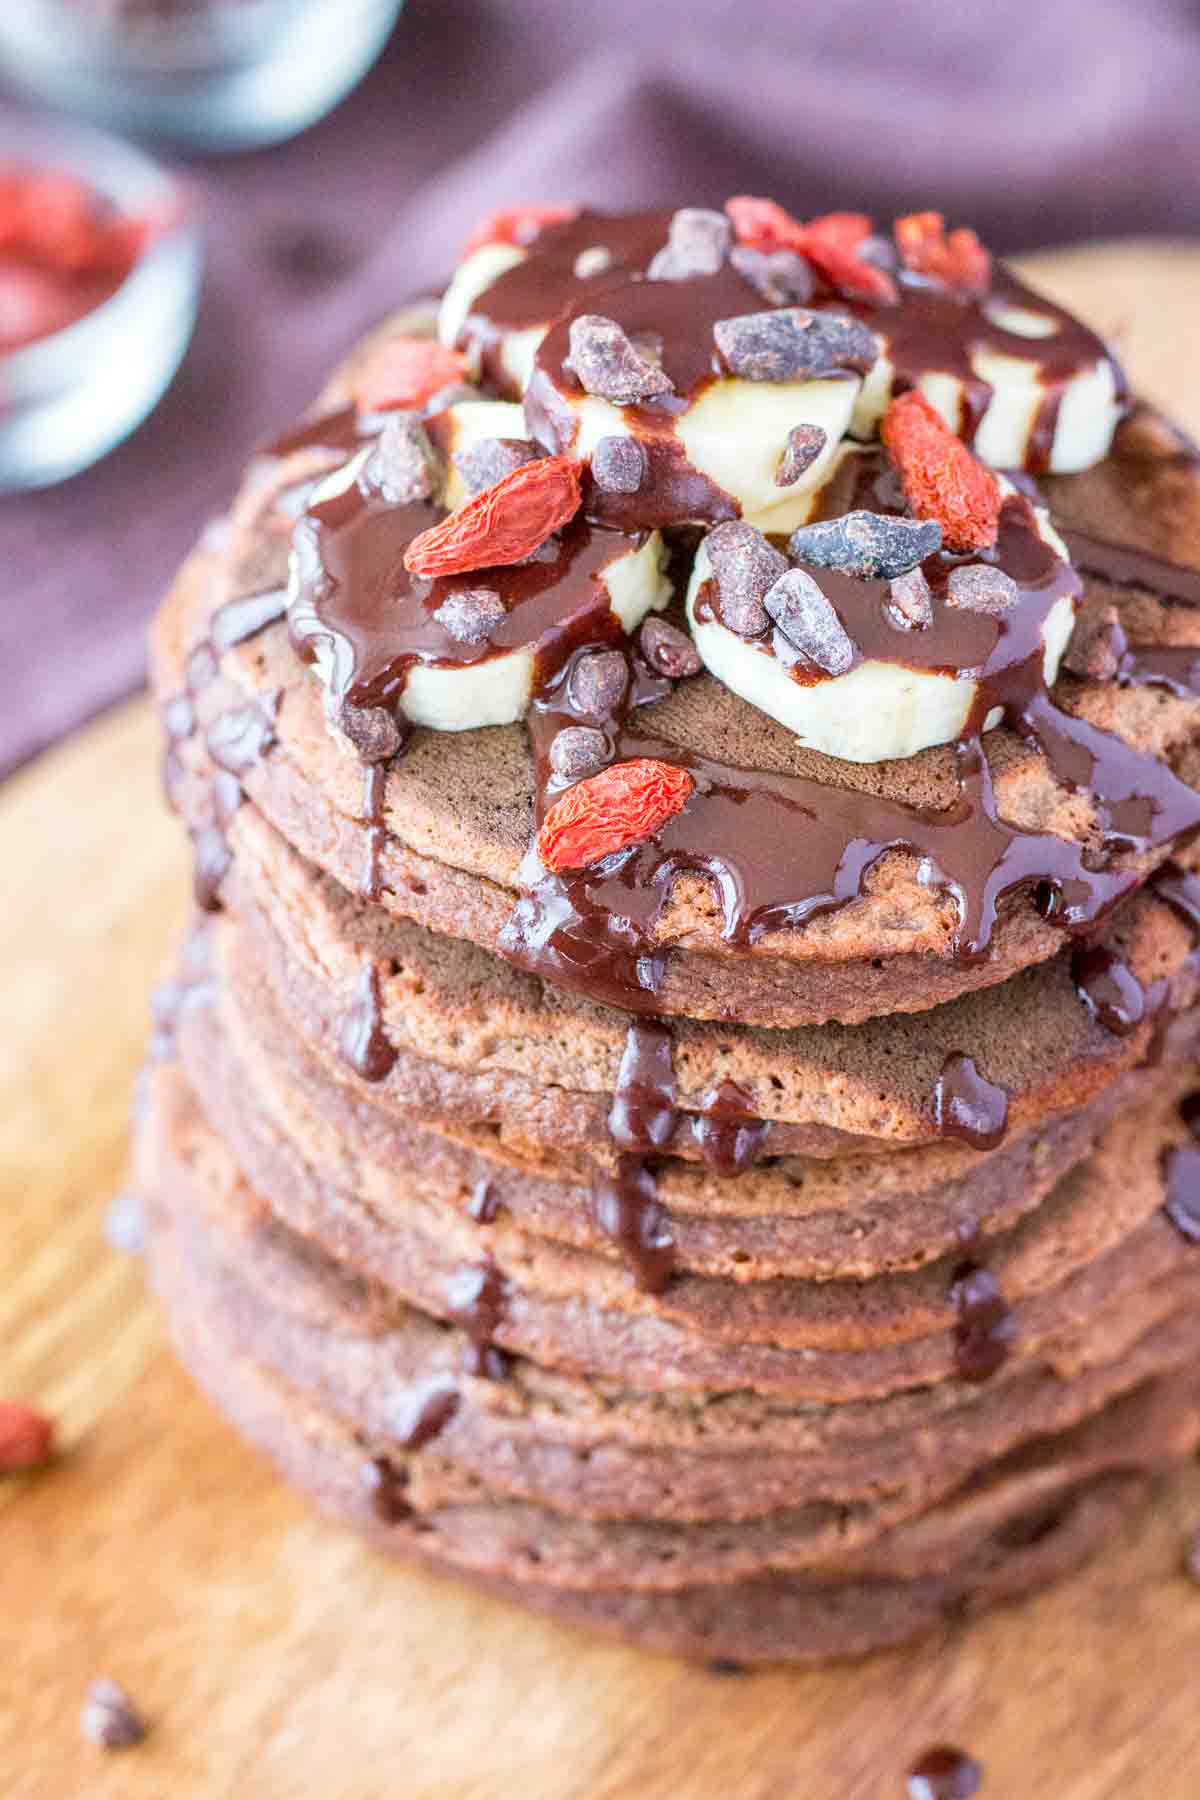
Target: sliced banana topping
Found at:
871, 666
463, 650
1027, 385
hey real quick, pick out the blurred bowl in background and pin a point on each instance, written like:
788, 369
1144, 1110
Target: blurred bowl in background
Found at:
67, 398
205, 74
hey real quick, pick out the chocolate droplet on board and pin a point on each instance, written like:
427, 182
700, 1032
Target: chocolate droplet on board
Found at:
109, 1717
944, 1773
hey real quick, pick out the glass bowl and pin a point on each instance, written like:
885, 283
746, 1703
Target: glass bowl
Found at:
68, 398
206, 74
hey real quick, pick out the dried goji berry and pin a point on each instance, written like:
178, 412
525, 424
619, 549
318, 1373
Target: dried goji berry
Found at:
404, 371
959, 260
828, 242
622, 805
503, 524
515, 225
26, 1437
942, 480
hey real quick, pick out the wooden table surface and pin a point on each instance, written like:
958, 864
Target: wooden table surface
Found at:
273, 1655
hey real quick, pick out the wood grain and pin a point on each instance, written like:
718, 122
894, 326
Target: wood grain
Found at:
273, 1655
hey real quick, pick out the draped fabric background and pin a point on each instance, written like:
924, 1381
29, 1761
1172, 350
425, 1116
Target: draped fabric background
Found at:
1035, 122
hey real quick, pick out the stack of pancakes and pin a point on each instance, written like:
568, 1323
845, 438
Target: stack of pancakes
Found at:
923, 1326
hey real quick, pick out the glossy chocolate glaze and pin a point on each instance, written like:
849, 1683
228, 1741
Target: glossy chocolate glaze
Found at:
727, 1132
545, 283
476, 1299
931, 331
368, 620
642, 1120
362, 1040
983, 1329
968, 1106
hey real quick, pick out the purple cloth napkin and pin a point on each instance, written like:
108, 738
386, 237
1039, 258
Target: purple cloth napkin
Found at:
1034, 123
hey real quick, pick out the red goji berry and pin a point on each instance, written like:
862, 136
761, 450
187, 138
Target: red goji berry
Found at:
622, 805
26, 1437
515, 225
404, 371
504, 523
959, 260
828, 242
942, 480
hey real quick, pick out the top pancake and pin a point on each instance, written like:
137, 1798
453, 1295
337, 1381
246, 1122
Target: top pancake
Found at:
458, 808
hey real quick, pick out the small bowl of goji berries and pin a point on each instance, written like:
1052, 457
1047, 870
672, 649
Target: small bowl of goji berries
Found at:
206, 74
99, 278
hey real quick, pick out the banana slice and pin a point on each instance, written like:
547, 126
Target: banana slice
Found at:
717, 393
462, 651
500, 323
1026, 383
874, 670
476, 426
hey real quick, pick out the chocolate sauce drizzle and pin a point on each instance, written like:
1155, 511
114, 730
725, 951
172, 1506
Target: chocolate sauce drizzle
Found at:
968, 1106
362, 1040
642, 1120
426, 1415
374, 781
476, 1300
1108, 988
984, 1326
386, 1489
783, 849
728, 1133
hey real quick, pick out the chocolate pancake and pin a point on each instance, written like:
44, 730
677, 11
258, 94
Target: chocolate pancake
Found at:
449, 823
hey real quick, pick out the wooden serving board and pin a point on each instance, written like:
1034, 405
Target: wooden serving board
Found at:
273, 1655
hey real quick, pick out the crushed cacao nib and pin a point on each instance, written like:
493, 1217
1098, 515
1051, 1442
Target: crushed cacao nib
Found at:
979, 587
669, 650
470, 614
808, 621
597, 684
873, 546
781, 276
619, 465
607, 363
404, 462
697, 244
804, 444
745, 567
109, 1717
491, 459
1097, 644
789, 343
910, 603
578, 750
372, 732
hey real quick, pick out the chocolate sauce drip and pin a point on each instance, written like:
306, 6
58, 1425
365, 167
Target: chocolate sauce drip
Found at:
933, 330
642, 1118
728, 1133
241, 619
944, 1773
363, 1042
1125, 566
211, 854
1181, 1176
339, 430
968, 1106
680, 315
374, 780
365, 620
782, 849
984, 1327
386, 1488
1109, 989
476, 1300
1181, 892
545, 284
484, 1204
240, 738
426, 1416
